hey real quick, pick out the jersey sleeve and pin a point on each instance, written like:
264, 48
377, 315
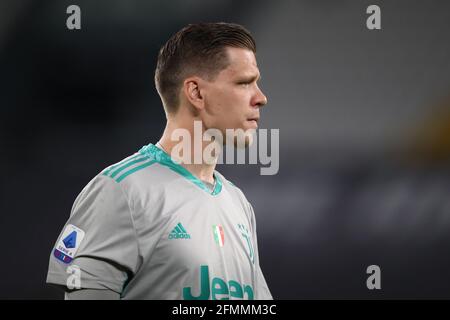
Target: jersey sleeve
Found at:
98, 247
262, 291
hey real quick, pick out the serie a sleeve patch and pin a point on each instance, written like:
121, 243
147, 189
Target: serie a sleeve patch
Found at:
68, 243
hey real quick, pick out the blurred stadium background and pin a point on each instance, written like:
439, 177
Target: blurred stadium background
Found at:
364, 119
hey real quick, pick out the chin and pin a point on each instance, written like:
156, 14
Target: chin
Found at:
242, 137
244, 140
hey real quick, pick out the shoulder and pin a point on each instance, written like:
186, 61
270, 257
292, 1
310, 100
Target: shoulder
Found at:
121, 180
133, 165
141, 170
119, 185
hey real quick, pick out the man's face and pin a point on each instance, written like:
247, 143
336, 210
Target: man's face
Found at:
233, 98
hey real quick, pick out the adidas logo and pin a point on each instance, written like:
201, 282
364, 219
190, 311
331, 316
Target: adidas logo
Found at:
179, 232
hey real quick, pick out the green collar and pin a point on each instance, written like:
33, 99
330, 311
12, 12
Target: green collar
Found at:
164, 159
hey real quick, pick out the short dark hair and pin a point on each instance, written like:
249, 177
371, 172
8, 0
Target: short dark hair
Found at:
198, 49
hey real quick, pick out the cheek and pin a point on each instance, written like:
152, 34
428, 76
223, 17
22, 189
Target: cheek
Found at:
227, 107
220, 102
233, 100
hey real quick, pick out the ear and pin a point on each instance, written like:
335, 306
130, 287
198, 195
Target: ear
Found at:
192, 89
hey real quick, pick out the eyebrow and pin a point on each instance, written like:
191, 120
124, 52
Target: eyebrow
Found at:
250, 78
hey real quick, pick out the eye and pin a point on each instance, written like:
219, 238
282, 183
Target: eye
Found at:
244, 83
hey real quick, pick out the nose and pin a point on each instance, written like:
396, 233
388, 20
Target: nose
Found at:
259, 99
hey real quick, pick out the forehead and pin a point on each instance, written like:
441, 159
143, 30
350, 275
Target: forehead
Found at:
242, 62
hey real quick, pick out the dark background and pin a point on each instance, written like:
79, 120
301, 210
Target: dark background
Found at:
364, 119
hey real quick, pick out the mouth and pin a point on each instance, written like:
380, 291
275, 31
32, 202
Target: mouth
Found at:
254, 121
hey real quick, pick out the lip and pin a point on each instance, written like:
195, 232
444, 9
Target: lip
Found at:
253, 121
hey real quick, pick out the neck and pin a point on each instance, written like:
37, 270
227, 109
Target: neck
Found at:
203, 171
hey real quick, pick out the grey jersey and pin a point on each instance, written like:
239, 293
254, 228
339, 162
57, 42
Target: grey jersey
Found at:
148, 229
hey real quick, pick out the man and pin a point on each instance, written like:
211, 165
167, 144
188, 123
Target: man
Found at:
154, 227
